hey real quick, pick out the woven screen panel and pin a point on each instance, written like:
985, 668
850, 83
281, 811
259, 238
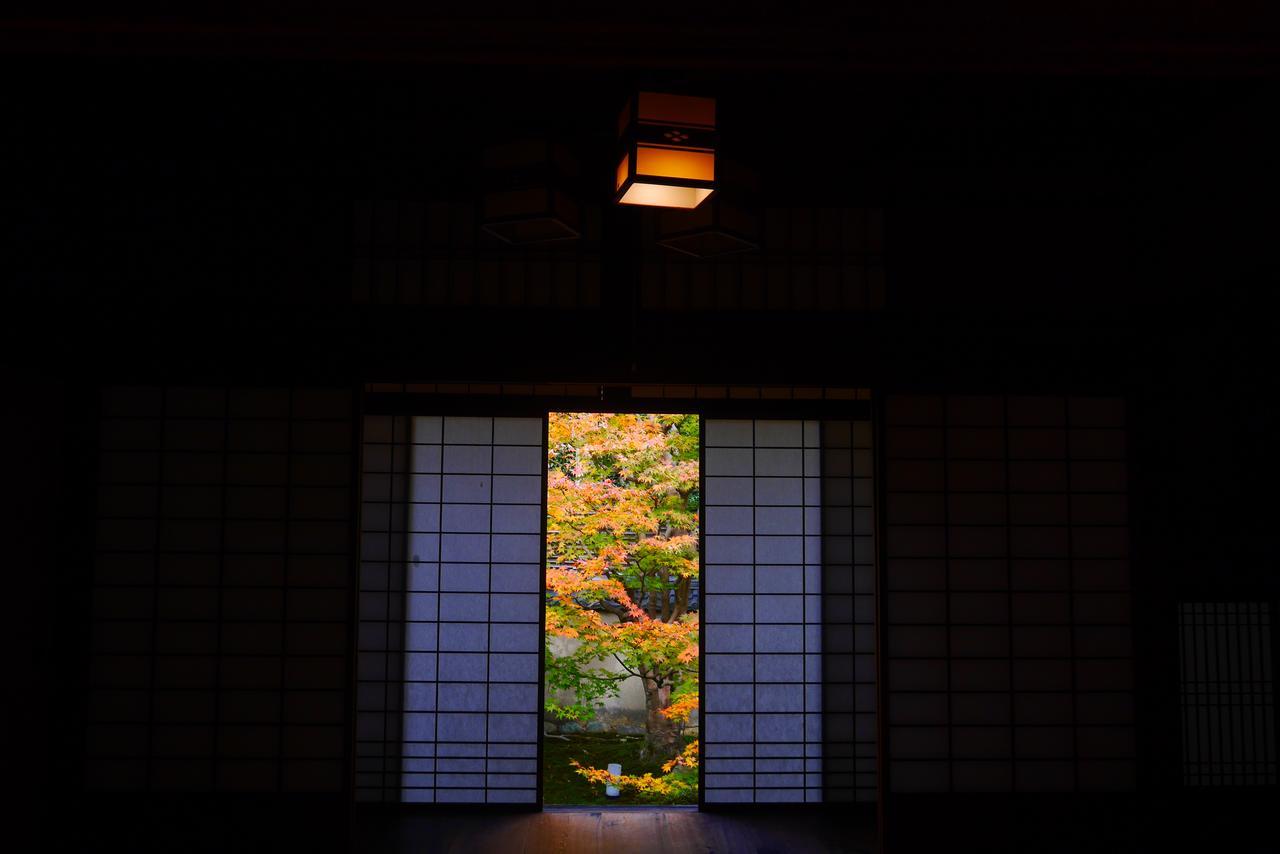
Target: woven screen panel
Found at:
433, 252
809, 259
1227, 693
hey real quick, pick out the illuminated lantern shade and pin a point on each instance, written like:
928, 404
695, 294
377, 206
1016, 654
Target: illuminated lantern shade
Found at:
668, 151
528, 200
725, 225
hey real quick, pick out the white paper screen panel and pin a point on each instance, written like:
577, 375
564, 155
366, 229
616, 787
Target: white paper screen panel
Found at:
451, 610
762, 614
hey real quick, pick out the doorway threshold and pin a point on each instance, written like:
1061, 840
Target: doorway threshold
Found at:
597, 808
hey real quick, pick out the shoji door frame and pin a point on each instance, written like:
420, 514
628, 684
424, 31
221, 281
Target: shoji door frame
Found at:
410, 404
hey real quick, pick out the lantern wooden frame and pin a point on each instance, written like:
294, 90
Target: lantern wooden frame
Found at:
667, 151
529, 199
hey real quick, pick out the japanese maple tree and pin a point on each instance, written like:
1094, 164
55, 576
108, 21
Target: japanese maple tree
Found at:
622, 560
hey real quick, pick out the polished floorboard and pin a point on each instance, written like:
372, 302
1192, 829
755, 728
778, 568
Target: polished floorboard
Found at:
615, 830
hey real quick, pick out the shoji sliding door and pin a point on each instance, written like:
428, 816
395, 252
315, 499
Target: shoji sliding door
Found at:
762, 615
448, 694
848, 613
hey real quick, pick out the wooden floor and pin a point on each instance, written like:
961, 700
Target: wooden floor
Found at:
615, 830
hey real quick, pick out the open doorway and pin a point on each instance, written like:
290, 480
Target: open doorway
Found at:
622, 584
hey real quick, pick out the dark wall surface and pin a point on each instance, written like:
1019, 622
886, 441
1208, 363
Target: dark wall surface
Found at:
214, 224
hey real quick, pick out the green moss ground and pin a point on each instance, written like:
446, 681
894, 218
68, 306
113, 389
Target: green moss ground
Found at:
562, 786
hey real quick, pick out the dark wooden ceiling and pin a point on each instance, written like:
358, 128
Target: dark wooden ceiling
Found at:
1076, 168
1180, 37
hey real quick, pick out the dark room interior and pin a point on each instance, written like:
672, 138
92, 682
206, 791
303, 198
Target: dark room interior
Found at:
963, 516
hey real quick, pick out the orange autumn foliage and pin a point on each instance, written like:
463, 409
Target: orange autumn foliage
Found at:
680, 780
681, 708
622, 564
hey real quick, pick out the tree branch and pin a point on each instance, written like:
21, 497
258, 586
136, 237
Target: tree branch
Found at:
624, 666
617, 610
682, 598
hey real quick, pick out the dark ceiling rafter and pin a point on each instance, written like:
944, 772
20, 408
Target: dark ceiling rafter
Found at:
1188, 38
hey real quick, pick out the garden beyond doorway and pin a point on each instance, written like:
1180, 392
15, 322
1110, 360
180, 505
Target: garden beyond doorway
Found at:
622, 585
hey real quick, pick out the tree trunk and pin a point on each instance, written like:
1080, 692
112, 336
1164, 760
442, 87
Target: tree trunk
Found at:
661, 736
